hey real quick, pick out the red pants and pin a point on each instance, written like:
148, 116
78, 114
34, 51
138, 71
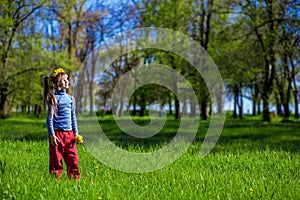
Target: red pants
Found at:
66, 150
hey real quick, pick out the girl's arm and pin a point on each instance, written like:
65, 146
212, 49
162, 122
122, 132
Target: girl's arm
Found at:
73, 118
49, 121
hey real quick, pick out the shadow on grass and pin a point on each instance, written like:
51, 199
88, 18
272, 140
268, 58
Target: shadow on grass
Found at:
237, 135
23, 130
252, 137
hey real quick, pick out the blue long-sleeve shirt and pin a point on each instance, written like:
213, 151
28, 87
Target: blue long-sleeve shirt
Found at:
65, 117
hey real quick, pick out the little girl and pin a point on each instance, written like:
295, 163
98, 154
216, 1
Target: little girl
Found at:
62, 127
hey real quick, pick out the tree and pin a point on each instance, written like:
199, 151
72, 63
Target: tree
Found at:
13, 15
264, 19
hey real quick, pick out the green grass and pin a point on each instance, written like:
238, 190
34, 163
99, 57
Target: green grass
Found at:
252, 160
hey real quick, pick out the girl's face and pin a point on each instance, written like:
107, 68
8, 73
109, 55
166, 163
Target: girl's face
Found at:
63, 82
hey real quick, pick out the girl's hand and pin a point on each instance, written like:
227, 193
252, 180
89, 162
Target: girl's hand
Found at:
78, 139
54, 140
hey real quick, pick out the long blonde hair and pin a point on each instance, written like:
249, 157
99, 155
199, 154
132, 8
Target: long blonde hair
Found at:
52, 102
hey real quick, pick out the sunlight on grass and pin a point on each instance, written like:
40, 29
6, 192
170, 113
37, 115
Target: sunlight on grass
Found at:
251, 160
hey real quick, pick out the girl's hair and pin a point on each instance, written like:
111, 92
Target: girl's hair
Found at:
54, 80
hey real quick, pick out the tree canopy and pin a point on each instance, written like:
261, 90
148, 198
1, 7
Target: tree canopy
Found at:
254, 43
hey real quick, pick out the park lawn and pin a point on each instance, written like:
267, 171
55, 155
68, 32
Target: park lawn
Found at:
252, 160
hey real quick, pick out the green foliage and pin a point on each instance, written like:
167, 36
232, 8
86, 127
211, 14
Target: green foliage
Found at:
28, 64
244, 38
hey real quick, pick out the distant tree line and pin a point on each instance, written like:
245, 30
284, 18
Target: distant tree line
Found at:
254, 43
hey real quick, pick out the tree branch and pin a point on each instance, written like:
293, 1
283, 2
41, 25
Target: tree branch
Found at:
22, 72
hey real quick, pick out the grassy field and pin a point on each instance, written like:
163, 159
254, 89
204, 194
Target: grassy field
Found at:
252, 160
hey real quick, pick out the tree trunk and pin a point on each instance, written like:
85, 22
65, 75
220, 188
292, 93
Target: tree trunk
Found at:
258, 106
143, 105
91, 82
120, 113
269, 63
91, 97
295, 89
177, 105
241, 104
203, 109
46, 90
235, 101
35, 109
183, 112
79, 93
177, 109
253, 108
269, 59
170, 104
134, 98
3, 100
134, 105
296, 105
210, 109
220, 102
287, 101
193, 110
28, 110
255, 99
266, 113
286, 110
39, 112
278, 106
